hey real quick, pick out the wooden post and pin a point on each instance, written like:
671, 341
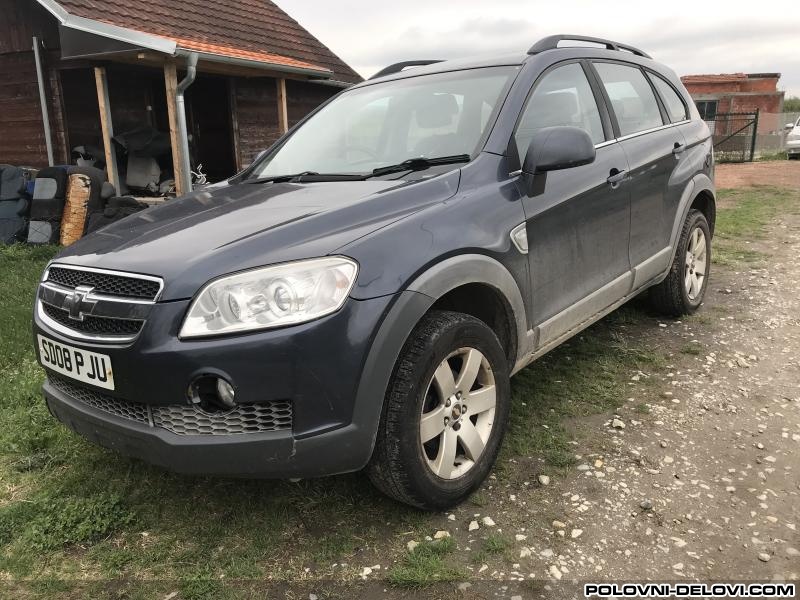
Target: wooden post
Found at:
101, 82
283, 111
171, 84
234, 121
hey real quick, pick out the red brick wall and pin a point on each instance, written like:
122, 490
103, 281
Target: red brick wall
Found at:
767, 84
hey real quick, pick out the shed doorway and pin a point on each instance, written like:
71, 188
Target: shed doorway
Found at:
209, 119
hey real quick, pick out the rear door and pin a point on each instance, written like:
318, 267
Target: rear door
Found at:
654, 148
577, 221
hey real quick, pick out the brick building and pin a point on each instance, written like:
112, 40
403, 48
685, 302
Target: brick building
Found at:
737, 93
107, 66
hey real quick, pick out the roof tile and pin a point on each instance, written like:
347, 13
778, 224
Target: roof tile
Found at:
252, 29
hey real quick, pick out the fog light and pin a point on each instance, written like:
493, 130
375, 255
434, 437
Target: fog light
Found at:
226, 393
212, 393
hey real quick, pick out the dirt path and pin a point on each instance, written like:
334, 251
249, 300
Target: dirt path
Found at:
778, 173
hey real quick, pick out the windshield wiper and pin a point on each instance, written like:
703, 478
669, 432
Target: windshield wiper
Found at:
307, 177
420, 164
412, 164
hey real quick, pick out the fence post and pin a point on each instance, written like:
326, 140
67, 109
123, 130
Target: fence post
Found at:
755, 136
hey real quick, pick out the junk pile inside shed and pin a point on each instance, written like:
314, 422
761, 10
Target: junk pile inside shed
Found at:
151, 91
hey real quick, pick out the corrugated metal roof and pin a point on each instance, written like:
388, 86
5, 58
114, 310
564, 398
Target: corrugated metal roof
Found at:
249, 29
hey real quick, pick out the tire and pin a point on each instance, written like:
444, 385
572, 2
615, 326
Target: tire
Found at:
422, 474
683, 290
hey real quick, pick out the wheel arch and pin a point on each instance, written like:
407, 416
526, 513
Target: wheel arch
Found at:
480, 286
705, 202
445, 282
701, 194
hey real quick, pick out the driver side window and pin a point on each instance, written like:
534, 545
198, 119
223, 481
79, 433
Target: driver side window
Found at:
562, 97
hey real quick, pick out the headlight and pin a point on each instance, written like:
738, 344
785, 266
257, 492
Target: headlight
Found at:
273, 296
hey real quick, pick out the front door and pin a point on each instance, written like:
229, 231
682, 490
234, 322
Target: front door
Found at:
578, 224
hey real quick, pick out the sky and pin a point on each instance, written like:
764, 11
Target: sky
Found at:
690, 36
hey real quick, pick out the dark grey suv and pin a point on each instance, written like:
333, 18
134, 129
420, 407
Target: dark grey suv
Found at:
359, 297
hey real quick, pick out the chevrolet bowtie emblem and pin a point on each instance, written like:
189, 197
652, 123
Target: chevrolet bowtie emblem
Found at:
76, 303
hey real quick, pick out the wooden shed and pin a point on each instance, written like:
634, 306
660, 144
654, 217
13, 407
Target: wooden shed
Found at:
224, 78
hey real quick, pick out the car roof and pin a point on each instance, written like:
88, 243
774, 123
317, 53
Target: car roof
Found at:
546, 50
459, 64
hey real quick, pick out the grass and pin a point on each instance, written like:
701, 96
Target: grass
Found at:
584, 376
743, 217
425, 565
772, 156
692, 349
74, 517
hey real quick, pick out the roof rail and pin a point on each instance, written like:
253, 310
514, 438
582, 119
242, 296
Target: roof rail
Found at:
551, 42
397, 67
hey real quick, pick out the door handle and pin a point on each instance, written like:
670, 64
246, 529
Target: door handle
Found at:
616, 176
678, 148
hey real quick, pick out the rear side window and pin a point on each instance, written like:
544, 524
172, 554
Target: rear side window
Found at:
631, 97
676, 109
562, 97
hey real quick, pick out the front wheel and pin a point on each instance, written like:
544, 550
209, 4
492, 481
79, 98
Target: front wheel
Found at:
684, 288
445, 413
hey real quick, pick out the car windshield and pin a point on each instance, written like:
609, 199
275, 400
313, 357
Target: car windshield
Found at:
428, 116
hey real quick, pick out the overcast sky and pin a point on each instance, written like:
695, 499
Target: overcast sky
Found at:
690, 36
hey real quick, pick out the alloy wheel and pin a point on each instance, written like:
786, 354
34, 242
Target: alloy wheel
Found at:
695, 268
458, 413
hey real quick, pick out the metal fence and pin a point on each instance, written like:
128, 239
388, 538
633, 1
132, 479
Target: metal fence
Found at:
772, 132
734, 136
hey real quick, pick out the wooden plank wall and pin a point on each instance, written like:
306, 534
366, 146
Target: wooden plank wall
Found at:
256, 101
21, 131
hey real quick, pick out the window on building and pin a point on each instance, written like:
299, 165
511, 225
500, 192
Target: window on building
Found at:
707, 109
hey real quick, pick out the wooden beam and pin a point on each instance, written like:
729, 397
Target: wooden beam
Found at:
283, 110
101, 82
234, 121
171, 84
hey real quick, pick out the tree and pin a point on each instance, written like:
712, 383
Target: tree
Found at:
791, 104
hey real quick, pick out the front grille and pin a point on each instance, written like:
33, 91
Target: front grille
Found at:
94, 325
106, 283
109, 404
184, 420
245, 418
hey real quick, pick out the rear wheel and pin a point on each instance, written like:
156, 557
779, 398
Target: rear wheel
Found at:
445, 415
684, 288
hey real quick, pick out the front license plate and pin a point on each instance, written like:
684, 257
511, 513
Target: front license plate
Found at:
85, 366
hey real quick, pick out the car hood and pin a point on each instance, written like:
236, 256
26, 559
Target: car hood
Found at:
209, 233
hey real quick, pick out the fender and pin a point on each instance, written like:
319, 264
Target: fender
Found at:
698, 184
476, 268
406, 311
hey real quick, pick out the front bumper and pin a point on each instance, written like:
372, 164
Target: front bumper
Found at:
793, 147
315, 367
271, 454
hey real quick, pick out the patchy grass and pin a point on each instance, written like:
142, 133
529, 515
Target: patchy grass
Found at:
692, 349
772, 156
584, 376
425, 565
742, 216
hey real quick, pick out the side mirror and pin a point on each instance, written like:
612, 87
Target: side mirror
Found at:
789, 126
555, 148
